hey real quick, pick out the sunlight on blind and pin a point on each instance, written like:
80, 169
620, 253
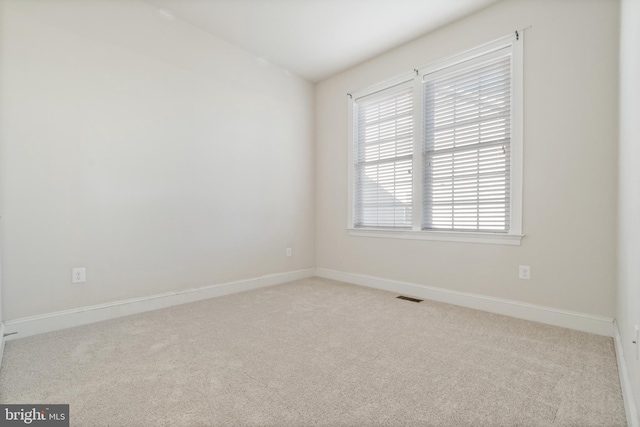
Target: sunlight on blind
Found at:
466, 148
383, 159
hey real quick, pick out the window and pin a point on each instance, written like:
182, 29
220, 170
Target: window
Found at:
437, 153
384, 158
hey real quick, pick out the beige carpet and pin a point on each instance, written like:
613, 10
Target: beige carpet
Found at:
318, 352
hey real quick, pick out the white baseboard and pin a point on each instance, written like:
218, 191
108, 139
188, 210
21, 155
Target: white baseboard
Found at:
2, 339
27, 326
33, 325
625, 382
567, 319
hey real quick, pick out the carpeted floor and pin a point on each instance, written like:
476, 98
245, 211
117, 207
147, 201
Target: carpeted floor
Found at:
318, 352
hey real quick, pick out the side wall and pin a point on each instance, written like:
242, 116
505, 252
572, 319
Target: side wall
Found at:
570, 161
628, 313
146, 150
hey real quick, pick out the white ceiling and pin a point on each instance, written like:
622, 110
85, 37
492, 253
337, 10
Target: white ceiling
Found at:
316, 39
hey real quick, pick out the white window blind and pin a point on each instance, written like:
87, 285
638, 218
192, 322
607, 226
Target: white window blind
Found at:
466, 145
383, 158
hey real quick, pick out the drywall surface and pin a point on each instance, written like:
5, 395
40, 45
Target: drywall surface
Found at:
628, 313
570, 160
146, 150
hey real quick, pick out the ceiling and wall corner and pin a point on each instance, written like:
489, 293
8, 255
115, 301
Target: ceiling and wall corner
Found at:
317, 39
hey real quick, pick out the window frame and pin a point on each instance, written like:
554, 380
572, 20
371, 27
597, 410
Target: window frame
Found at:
514, 235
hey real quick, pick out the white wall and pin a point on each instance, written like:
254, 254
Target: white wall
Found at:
153, 154
628, 313
571, 78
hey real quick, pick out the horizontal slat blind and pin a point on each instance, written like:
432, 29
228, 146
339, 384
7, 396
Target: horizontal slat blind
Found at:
466, 147
383, 159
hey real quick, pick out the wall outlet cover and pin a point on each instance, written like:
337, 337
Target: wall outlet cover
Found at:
78, 275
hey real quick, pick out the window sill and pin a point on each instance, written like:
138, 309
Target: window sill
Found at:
443, 236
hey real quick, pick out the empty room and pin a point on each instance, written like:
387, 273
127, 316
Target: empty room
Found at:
319, 212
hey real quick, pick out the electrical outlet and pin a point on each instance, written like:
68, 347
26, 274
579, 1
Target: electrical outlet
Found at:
78, 275
524, 272
288, 251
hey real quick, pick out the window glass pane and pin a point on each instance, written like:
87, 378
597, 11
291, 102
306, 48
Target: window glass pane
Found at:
466, 147
383, 158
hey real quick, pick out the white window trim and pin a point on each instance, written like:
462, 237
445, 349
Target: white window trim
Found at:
442, 236
515, 234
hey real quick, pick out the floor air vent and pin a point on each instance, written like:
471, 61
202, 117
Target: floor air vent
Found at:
409, 299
